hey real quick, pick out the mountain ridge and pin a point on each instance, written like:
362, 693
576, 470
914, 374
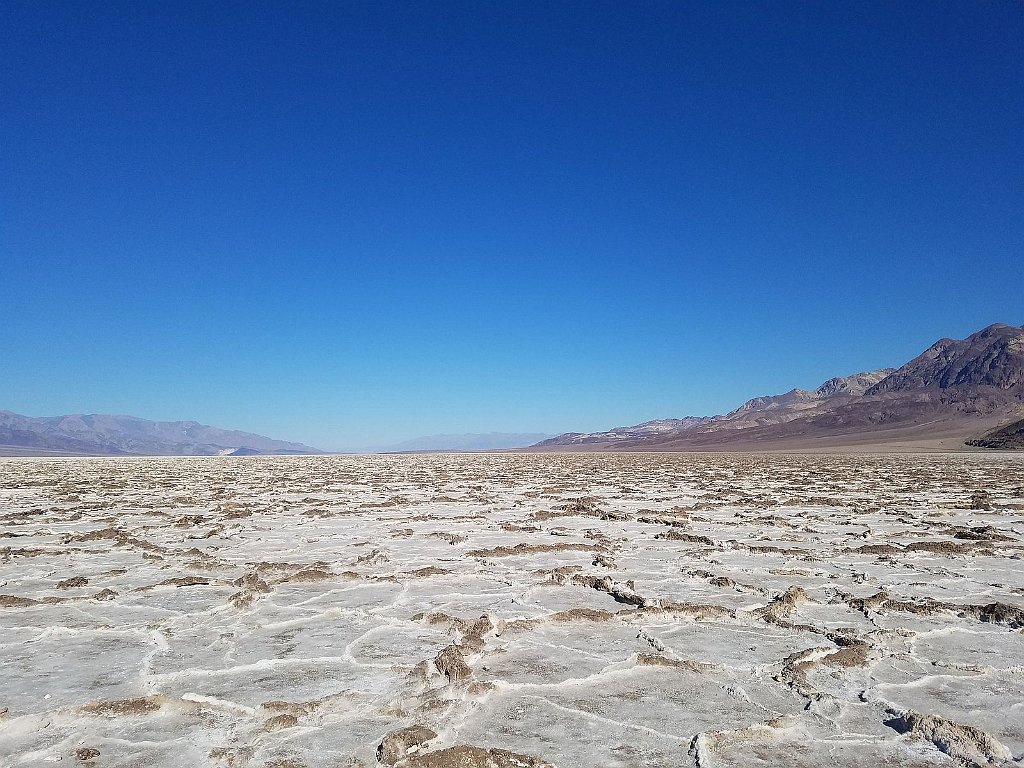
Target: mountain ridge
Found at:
653, 426
121, 435
951, 393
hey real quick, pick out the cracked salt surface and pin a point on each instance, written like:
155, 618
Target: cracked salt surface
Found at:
513, 610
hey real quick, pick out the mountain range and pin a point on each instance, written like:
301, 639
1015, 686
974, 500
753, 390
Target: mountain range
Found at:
469, 442
955, 392
95, 434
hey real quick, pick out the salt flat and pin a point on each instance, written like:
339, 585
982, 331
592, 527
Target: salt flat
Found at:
513, 610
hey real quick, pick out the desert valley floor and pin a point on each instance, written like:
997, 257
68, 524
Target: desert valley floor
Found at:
513, 611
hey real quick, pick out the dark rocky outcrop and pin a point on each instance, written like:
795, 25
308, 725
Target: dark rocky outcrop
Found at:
1007, 438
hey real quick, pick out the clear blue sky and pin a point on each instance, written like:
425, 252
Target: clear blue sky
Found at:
351, 223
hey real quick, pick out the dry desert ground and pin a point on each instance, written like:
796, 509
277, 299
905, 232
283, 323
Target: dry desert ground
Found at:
513, 610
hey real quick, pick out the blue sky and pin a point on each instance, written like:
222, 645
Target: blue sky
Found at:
352, 223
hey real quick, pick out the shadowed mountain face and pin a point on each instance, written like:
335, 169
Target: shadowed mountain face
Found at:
954, 391
127, 435
1010, 437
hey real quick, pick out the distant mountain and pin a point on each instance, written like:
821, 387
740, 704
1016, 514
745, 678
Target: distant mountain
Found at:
95, 434
768, 408
953, 392
490, 441
647, 429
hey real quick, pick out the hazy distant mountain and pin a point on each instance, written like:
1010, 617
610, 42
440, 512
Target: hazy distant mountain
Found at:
96, 434
647, 429
954, 391
490, 441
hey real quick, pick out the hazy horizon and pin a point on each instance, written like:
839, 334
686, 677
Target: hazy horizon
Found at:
352, 225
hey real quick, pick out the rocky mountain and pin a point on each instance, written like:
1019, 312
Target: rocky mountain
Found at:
857, 384
489, 441
95, 434
992, 357
800, 399
1006, 438
956, 390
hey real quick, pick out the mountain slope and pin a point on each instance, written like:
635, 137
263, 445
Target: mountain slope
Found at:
857, 384
784, 407
770, 409
992, 357
1008, 437
97, 434
954, 391
647, 429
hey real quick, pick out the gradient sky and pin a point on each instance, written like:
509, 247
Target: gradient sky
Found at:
352, 223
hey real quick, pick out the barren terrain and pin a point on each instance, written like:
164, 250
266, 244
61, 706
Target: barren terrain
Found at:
513, 610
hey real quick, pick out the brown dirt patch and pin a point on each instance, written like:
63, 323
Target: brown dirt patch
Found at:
451, 663
464, 756
430, 570
533, 549
653, 660
280, 722
74, 581
396, 745
141, 706
582, 614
